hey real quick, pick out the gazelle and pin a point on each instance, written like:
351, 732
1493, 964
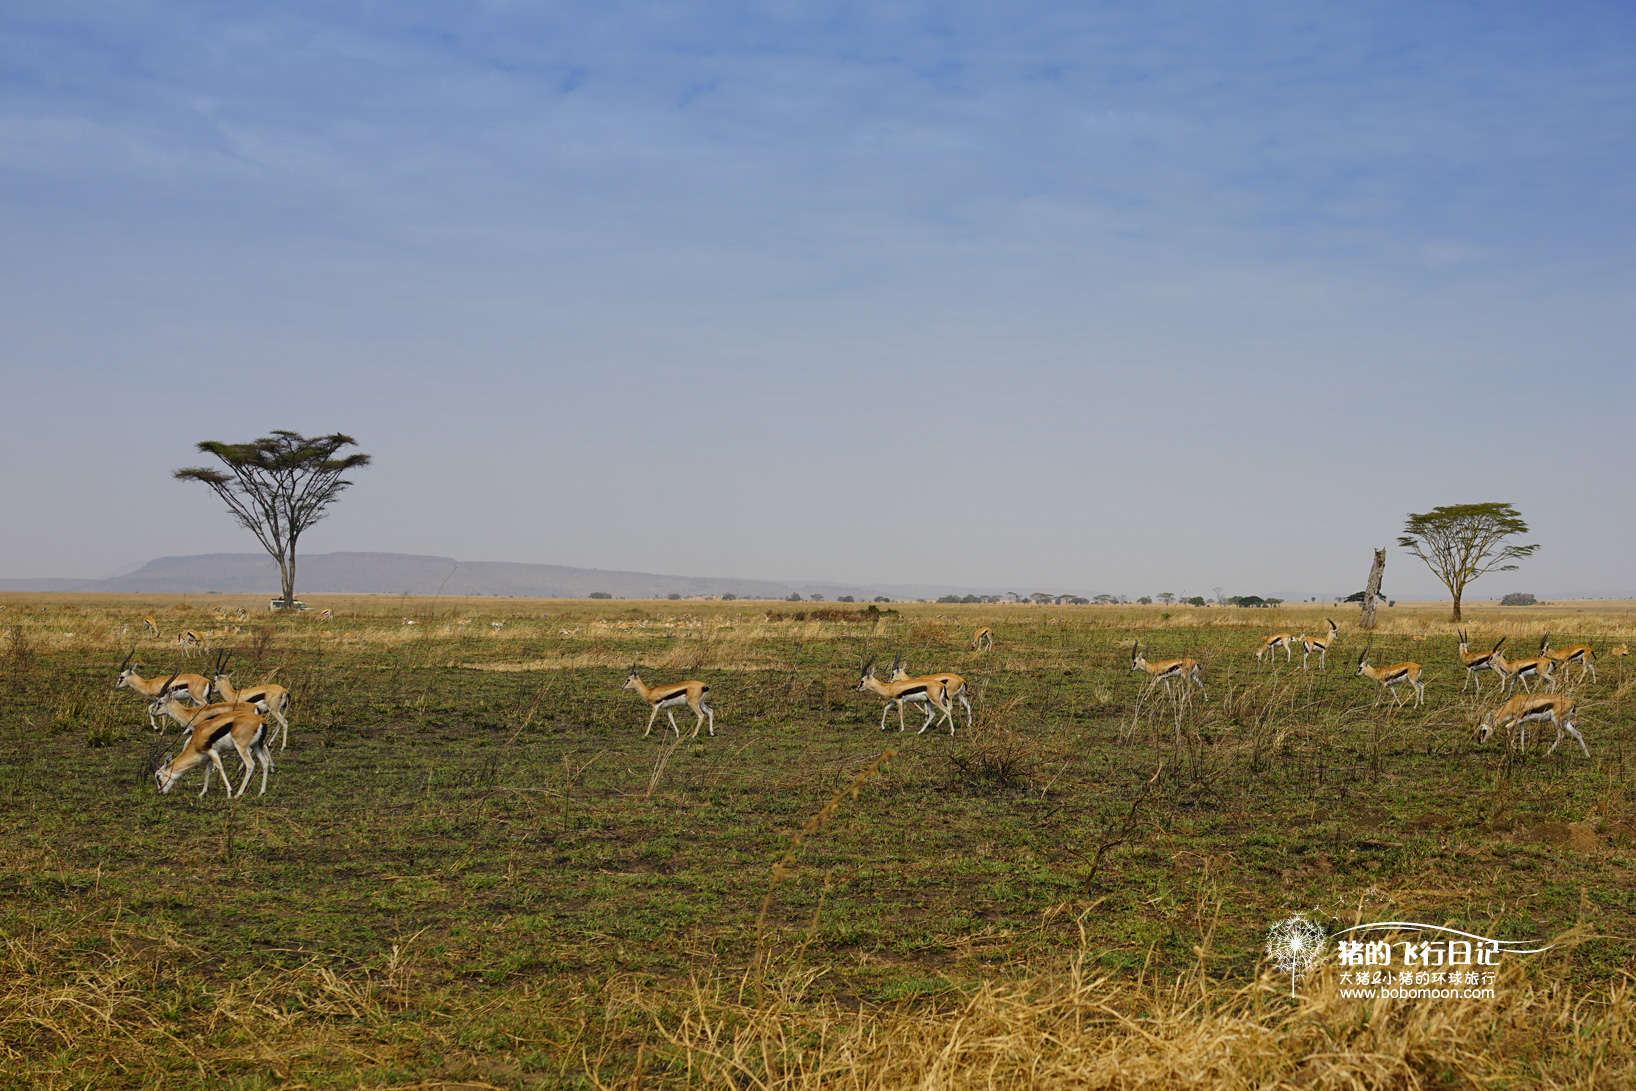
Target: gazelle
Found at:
954, 689
326, 615
1319, 644
191, 642
1389, 678
269, 699
1272, 644
238, 727
1574, 653
983, 641
150, 626
1536, 707
695, 695
1187, 670
928, 691
1512, 670
196, 686
1620, 650
1476, 661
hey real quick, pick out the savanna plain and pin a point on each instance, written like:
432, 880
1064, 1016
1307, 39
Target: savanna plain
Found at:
471, 870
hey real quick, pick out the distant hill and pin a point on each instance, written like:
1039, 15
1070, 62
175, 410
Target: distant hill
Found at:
401, 573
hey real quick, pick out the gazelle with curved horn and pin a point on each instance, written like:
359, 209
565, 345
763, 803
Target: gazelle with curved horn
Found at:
269, 699
1187, 670
1535, 707
1389, 678
984, 640
196, 686
926, 691
191, 643
695, 695
954, 689
1476, 661
1272, 644
1574, 653
217, 729
1319, 644
1514, 670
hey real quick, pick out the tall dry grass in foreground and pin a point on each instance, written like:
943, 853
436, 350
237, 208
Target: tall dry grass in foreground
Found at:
1094, 1032
129, 1016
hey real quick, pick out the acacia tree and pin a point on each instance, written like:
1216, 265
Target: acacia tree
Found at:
278, 486
1463, 541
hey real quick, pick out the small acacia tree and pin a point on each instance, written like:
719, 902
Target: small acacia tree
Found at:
278, 486
1463, 541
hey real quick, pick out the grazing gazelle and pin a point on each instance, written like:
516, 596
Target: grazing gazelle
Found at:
1187, 670
191, 643
984, 640
1476, 661
1319, 644
1512, 670
268, 698
238, 727
954, 689
927, 691
150, 626
196, 686
326, 615
1536, 707
1272, 644
1389, 678
695, 695
1574, 653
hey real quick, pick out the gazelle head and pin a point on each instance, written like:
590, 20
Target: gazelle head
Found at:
126, 670
1333, 630
219, 673
868, 675
1485, 729
897, 672
164, 778
1137, 662
1363, 662
630, 679
1465, 641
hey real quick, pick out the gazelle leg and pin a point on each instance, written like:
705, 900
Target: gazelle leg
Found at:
670, 713
651, 718
708, 711
885, 712
1578, 738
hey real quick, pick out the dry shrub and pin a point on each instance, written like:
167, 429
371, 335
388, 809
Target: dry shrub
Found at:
1077, 1031
994, 753
19, 646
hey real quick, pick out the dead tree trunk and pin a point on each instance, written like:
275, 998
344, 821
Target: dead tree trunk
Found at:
1371, 594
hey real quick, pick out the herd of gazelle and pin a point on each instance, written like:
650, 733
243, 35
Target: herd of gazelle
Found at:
236, 722
936, 693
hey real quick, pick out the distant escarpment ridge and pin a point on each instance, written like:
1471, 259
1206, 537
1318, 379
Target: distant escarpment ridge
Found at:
408, 574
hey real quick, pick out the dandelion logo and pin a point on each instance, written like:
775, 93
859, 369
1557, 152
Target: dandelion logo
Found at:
1295, 946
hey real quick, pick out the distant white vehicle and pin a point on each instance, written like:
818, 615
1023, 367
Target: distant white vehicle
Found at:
280, 604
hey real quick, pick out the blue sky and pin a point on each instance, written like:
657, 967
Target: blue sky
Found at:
1116, 297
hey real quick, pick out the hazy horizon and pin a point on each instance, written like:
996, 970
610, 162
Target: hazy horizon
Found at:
935, 294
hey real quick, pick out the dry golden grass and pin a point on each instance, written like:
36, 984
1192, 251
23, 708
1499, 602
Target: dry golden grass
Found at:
1083, 1031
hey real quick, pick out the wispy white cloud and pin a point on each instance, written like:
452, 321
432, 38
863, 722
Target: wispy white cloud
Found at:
1290, 256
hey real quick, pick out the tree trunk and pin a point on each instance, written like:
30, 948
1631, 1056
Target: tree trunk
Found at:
286, 579
1371, 593
1456, 616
